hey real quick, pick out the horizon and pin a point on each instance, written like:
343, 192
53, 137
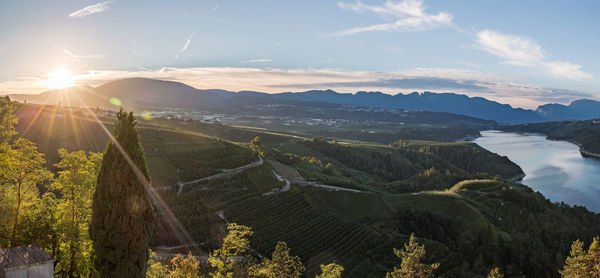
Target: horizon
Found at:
300, 91
220, 45
311, 138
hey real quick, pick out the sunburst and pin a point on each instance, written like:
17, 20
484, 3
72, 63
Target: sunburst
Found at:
59, 79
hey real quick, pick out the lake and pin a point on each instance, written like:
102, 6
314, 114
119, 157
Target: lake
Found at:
554, 168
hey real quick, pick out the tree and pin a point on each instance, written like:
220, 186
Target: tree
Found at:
282, 264
411, 266
576, 264
122, 215
328, 168
331, 270
184, 267
75, 182
495, 273
234, 248
21, 172
8, 120
155, 268
256, 146
594, 257
40, 224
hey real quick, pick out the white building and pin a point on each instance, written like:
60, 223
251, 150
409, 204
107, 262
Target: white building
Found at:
25, 262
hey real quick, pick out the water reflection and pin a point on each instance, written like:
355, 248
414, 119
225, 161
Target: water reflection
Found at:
555, 168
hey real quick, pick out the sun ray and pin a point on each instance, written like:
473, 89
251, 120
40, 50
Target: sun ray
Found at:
59, 79
168, 216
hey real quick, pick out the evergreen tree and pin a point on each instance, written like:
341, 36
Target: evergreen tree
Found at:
331, 270
282, 264
122, 215
576, 265
594, 258
411, 266
495, 273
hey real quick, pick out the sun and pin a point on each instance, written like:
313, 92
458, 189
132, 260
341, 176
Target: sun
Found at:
59, 79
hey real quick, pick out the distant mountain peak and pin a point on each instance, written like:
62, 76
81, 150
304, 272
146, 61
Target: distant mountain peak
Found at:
139, 92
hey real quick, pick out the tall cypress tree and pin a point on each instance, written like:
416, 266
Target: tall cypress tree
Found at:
122, 214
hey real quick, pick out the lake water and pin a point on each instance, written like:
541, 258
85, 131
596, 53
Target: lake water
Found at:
554, 168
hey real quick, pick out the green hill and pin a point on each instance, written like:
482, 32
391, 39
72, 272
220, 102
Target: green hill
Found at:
456, 197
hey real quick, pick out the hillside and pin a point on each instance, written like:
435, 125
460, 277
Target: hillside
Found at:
149, 94
420, 187
134, 93
584, 133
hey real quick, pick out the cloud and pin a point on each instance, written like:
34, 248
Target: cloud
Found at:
408, 15
258, 61
91, 9
523, 51
423, 83
186, 45
566, 70
516, 50
502, 88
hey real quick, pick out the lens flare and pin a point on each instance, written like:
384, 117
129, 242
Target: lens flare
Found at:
146, 115
115, 101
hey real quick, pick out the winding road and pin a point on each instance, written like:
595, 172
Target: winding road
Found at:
226, 173
288, 183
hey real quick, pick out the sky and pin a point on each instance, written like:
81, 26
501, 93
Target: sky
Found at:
524, 53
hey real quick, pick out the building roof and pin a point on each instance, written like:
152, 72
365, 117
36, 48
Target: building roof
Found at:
19, 256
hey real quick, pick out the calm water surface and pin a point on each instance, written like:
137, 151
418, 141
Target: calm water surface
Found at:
554, 168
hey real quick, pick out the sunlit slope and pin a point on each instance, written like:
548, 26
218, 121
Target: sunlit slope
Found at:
410, 187
172, 155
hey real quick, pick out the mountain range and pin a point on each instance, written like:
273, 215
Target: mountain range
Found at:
142, 93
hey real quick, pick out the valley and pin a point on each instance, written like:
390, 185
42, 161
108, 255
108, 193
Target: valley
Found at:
458, 197
299, 139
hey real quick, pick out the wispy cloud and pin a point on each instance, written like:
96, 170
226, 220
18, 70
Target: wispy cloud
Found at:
257, 61
566, 70
523, 51
91, 9
186, 45
408, 15
215, 8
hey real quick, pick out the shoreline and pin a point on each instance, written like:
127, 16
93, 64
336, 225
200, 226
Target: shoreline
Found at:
519, 177
583, 152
